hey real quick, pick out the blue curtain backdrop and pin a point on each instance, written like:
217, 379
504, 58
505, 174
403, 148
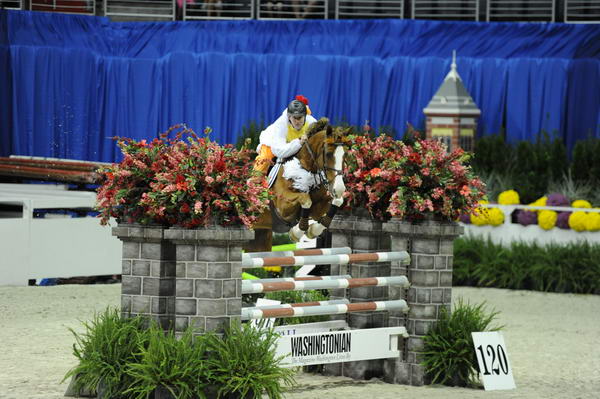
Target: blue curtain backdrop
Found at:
69, 83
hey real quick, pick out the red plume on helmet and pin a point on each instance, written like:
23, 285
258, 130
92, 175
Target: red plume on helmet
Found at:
302, 99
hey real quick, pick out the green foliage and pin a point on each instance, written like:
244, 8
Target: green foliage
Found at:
281, 239
492, 153
448, 354
104, 349
177, 364
575, 189
586, 161
298, 297
571, 267
244, 361
250, 135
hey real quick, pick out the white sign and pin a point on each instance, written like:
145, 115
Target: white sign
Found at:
308, 328
339, 346
267, 323
492, 358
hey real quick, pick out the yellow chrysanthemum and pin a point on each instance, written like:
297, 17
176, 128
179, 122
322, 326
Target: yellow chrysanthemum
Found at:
577, 220
479, 217
581, 204
547, 219
509, 197
540, 201
495, 217
592, 223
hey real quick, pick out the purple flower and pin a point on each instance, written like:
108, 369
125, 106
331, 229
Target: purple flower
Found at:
527, 217
557, 199
562, 220
465, 218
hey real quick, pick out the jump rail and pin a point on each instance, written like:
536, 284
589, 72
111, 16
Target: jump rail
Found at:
252, 314
343, 301
252, 288
402, 256
299, 252
282, 279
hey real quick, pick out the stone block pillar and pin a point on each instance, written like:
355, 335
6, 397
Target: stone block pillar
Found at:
148, 274
363, 234
431, 246
208, 276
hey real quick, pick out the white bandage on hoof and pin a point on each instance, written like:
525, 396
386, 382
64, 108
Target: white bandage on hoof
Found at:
315, 230
295, 233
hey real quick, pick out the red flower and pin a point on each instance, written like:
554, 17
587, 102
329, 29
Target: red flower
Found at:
302, 99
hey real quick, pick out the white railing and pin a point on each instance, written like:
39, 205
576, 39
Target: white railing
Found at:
582, 11
218, 9
11, 4
456, 10
369, 9
159, 9
521, 10
65, 6
292, 9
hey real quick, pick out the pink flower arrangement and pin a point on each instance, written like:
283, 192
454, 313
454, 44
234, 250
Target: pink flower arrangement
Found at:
393, 179
176, 182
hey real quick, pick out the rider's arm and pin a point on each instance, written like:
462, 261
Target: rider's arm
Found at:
275, 137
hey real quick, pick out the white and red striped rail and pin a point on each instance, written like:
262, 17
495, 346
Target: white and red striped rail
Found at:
340, 259
305, 278
299, 252
253, 313
343, 301
254, 288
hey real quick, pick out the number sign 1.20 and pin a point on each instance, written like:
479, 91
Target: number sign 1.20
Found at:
493, 360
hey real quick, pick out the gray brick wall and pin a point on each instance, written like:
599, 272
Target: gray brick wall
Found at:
208, 276
182, 277
148, 273
363, 234
430, 274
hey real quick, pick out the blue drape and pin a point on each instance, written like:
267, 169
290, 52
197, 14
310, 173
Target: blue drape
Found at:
69, 83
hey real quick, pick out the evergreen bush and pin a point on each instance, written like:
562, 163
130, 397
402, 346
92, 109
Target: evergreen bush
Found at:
448, 354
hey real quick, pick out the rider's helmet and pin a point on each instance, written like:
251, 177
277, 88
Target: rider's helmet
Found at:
296, 108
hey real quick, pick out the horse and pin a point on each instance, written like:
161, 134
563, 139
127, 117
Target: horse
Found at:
309, 185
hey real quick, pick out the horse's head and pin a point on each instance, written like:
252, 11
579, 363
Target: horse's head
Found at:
324, 154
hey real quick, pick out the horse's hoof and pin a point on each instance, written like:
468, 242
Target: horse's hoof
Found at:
295, 234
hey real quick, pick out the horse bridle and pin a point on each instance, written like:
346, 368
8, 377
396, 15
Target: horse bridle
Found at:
321, 175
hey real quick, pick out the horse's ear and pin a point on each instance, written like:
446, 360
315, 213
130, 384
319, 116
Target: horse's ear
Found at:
329, 130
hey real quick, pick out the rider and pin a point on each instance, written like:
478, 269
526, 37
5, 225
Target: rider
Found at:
284, 137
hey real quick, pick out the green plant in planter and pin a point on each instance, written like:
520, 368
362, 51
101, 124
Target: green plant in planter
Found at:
176, 365
108, 343
243, 362
448, 354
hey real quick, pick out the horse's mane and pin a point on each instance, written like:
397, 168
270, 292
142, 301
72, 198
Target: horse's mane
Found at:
316, 127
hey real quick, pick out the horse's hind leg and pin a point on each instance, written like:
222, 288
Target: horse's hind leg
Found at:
262, 242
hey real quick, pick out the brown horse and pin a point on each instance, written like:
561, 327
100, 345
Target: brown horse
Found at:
309, 185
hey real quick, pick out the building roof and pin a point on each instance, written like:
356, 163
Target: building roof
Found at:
452, 97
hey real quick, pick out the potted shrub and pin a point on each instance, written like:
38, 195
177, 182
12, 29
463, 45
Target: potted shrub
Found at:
107, 345
187, 183
410, 182
243, 363
169, 366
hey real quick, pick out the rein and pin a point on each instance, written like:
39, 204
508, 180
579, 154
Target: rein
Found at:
321, 176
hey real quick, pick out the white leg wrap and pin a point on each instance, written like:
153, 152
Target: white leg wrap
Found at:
295, 233
315, 230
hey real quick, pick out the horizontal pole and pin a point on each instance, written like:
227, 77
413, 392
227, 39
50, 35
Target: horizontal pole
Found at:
254, 288
379, 306
282, 279
326, 259
298, 252
301, 304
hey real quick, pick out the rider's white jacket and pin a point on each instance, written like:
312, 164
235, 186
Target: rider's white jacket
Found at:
275, 137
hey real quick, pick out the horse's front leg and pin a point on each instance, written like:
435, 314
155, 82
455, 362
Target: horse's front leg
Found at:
298, 230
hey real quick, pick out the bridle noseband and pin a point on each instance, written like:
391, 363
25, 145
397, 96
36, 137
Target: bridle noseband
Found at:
321, 176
